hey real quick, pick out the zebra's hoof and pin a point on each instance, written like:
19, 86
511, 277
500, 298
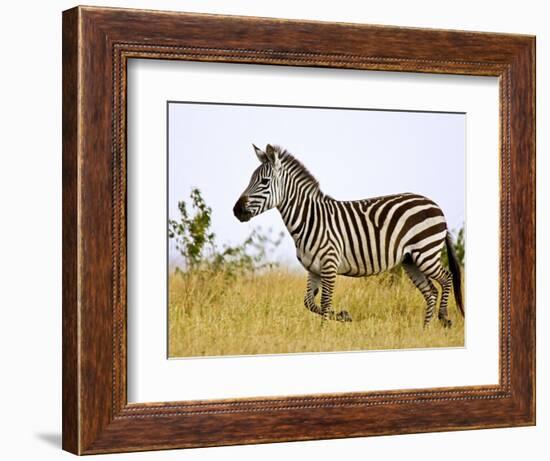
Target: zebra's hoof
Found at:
343, 316
447, 323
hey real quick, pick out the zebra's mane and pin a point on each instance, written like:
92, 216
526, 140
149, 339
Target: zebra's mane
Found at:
288, 159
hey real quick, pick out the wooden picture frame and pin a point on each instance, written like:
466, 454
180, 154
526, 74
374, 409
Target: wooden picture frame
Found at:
97, 43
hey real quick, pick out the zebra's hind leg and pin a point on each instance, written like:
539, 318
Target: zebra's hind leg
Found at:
444, 278
422, 282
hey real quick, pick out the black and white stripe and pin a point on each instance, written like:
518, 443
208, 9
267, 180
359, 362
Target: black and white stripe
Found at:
353, 238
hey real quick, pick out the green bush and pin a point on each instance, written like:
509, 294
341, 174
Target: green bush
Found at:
196, 242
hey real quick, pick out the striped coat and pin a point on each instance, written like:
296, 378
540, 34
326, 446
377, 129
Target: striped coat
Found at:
353, 238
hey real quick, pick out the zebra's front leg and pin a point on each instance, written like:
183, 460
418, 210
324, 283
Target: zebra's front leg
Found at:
313, 285
328, 279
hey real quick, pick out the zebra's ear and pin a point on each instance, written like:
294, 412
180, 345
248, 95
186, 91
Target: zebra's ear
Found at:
262, 157
273, 156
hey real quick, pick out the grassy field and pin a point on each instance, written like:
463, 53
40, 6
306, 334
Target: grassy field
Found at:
213, 314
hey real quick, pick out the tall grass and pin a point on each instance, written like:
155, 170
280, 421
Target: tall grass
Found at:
212, 313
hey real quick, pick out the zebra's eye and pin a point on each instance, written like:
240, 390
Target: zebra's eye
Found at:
264, 181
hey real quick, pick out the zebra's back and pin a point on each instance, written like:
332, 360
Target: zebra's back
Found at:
377, 233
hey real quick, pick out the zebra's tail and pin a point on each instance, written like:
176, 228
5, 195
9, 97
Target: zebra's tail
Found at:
454, 265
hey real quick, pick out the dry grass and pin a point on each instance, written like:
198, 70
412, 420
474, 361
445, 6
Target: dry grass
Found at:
212, 314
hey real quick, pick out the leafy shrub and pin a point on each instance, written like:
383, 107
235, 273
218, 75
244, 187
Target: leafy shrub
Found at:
196, 242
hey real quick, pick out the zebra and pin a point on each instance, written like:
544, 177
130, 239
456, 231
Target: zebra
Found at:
353, 238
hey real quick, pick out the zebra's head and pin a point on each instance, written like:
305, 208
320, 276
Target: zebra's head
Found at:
263, 191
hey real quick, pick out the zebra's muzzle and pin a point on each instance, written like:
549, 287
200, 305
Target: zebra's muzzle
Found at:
240, 211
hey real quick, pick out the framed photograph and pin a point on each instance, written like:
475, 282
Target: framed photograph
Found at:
282, 230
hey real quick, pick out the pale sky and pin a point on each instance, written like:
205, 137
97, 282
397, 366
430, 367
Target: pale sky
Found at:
354, 154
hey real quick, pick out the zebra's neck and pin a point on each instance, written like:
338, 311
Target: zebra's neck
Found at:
300, 191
